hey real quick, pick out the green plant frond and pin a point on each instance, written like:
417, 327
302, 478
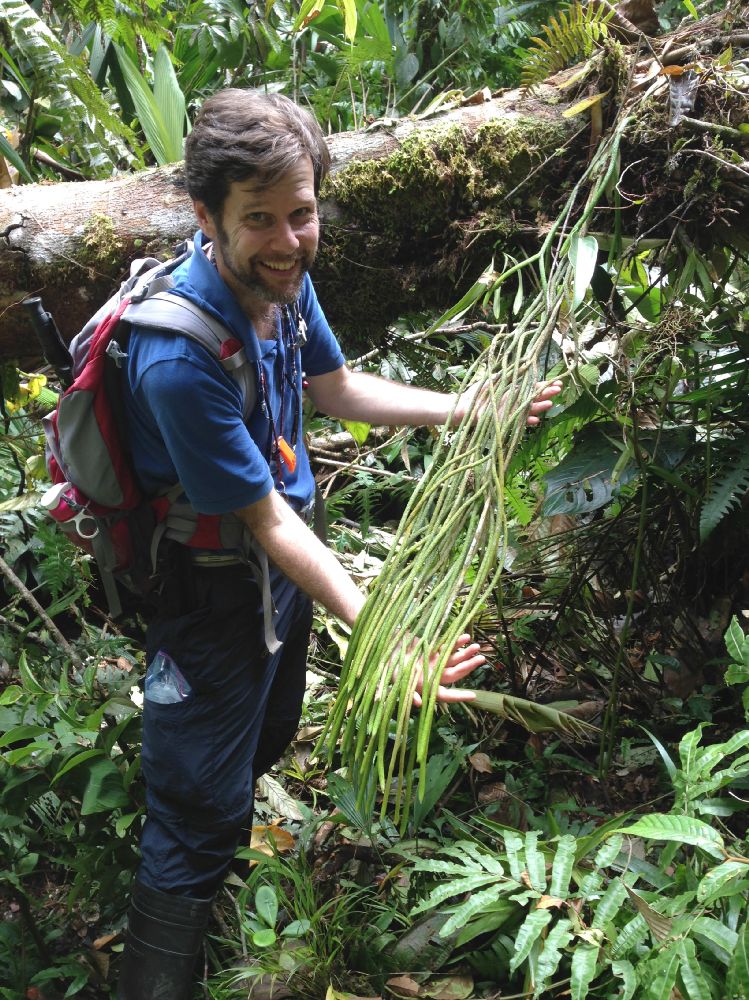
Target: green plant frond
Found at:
570, 37
726, 488
63, 78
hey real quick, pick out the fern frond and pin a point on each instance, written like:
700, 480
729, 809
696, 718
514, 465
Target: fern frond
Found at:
64, 80
727, 488
570, 37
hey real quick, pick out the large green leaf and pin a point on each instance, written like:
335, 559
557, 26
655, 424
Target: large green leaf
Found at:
105, 790
584, 960
737, 643
714, 884
718, 934
469, 882
535, 862
476, 903
169, 99
561, 869
609, 904
660, 978
162, 140
625, 971
583, 254
585, 479
694, 982
681, 829
63, 79
630, 936
555, 942
738, 970
530, 931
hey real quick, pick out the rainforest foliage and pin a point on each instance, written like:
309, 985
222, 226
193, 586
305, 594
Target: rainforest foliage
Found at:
583, 832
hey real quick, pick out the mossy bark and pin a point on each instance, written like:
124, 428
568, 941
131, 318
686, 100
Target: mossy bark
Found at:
410, 214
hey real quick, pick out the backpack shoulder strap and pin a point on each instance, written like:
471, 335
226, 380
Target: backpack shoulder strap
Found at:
175, 314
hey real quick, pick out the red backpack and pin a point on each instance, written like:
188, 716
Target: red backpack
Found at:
96, 498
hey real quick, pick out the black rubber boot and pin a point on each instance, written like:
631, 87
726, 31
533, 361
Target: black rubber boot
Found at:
164, 938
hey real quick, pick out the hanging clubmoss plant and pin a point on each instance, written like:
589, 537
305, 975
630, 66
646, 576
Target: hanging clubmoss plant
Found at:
452, 540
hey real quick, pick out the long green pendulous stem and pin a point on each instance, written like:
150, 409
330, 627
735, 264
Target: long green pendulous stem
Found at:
451, 543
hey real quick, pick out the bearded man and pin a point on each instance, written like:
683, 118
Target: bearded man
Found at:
227, 647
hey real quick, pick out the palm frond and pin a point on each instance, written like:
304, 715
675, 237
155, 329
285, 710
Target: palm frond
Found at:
64, 80
570, 36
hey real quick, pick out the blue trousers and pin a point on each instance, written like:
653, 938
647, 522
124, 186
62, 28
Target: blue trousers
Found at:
201, 756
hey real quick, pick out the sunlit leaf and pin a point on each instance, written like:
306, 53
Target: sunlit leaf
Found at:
583, 254
266, 904
530, 931
358, 430
583, 969
681, 829
583, 105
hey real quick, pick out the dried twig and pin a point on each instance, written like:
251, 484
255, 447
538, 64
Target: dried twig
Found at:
24, 591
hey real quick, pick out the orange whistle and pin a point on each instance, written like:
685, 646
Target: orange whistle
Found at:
287, 454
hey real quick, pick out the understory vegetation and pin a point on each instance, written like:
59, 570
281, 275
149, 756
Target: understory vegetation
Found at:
584, 832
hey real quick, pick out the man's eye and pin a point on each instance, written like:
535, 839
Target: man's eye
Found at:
256, 218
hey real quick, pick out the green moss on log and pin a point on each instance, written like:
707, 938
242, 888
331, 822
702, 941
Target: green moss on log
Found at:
410, 229
101, 250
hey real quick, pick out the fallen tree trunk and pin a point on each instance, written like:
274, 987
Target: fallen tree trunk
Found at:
399, 215
414, 210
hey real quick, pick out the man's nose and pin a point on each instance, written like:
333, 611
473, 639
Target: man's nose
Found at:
284, 238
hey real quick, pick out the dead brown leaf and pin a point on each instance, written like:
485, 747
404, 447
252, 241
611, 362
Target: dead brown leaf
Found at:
404, 986
549, 903
103, 941
100, 961
495, 792
271, 839
480, 97
481, 762
308, 734
449, 988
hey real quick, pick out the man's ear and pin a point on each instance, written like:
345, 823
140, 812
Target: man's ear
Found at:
205, 219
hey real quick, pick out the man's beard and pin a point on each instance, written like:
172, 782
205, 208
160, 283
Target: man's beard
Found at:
247, 275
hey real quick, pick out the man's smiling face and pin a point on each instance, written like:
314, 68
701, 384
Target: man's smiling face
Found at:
266, 237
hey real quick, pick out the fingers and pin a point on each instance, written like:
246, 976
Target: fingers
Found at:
464, 659
543, 401
454, 695
447, 696
458, 671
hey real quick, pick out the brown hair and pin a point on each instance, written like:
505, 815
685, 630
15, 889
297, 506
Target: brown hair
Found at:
247, 134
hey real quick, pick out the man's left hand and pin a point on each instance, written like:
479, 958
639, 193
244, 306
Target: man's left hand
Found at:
543, 401
464, 659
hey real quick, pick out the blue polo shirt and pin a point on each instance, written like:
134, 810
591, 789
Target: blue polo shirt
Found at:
185, 412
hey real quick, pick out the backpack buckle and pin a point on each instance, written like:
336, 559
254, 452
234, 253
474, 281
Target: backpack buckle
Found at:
115, 353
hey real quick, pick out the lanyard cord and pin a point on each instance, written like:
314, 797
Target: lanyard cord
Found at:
287, 346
